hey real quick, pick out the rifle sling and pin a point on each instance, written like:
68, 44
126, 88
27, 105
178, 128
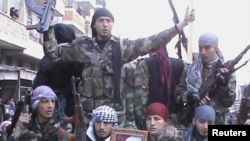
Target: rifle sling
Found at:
117, 64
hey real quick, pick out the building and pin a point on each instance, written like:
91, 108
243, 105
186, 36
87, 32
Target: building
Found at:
21, 49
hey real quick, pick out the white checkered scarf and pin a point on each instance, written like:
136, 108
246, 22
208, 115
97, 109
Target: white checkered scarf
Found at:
42, 92
105, 113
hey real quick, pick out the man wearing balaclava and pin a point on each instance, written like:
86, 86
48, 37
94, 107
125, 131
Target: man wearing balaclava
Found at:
103, 56
203, 116
40, 124
220, 95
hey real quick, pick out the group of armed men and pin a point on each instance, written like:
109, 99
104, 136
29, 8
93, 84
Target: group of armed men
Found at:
158, 93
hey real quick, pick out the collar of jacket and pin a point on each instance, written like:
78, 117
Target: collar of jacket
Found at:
112, 38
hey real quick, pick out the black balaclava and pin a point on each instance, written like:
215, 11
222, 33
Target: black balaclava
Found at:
98, 13
64, 33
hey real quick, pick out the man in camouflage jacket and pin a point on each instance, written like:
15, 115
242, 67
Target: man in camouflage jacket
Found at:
221, 95
42, 125
97, 85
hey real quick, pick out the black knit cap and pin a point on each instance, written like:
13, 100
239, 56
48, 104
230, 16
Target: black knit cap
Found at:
99, 13
64, 33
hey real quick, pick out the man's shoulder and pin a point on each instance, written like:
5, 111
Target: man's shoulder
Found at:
130, 65
178, 63
141, 62
83, 38
114, 38
83, 42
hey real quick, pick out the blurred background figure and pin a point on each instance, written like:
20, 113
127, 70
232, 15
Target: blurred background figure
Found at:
14, 13
3, 126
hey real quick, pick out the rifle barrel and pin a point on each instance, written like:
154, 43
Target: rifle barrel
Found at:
237, 59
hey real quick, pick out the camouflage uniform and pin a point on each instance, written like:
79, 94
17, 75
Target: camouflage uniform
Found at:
222, 97
144, 96
97, 84
129, 91
39, 132
141, 93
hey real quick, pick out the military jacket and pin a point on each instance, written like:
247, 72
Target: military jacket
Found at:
97, 85
129, 91
36, 133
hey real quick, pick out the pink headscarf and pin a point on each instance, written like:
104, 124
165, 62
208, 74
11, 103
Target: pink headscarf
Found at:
42, 92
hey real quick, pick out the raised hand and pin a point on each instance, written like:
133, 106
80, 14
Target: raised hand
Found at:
189, 17
23, 120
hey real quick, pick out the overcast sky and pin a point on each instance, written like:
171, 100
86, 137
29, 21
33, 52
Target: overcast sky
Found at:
228, 19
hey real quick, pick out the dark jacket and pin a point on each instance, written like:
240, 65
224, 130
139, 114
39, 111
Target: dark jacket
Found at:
57, 75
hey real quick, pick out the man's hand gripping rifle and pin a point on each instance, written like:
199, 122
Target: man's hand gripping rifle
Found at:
217, 75
24, 105
79, 113
212, 81
45, 15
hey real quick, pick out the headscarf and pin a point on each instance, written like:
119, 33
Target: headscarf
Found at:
40, 93
105, 113
204, 112
159, 109
99, 13
194, 78
165, 69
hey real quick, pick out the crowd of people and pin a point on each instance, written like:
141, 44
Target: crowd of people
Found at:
158, 94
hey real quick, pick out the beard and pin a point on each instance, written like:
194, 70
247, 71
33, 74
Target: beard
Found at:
99, 138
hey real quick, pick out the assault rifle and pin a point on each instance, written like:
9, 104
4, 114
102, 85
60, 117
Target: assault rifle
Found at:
217, 75
22, 106
182, 37
212, 80
78, 113
45, 15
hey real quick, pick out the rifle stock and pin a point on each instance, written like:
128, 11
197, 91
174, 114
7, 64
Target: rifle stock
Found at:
78, 113
45, 15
